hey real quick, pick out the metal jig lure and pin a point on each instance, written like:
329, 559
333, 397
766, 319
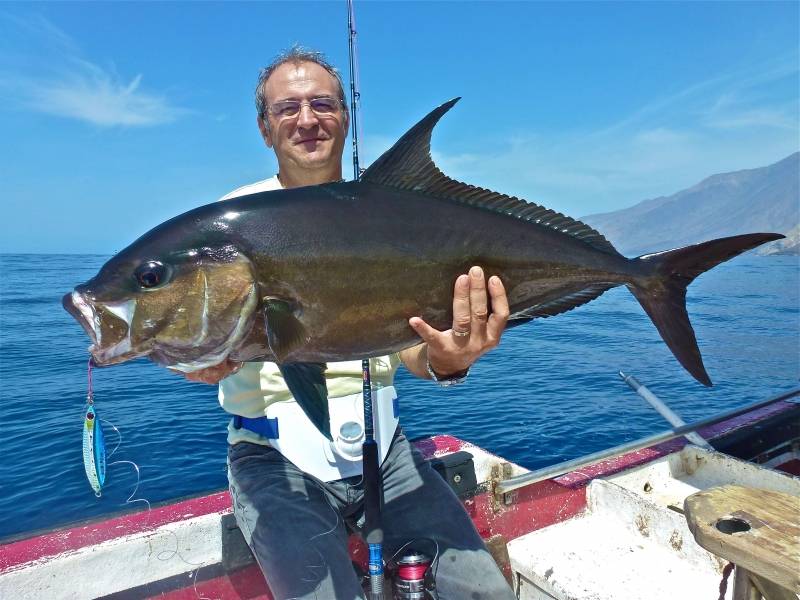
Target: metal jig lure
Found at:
94, 445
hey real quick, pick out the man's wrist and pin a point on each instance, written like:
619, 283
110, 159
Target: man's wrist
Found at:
446, 380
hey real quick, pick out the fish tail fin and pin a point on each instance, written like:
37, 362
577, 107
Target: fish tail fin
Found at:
662, 291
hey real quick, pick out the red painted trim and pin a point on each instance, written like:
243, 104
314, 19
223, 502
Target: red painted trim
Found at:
747, 419
535, 507
792, 467
96, 532
438, 445
69, 540
645, 455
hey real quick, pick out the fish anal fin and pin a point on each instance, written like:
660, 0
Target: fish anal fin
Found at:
284, 332
408, 166
564, 303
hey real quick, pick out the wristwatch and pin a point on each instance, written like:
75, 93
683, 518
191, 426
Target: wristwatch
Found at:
449, 380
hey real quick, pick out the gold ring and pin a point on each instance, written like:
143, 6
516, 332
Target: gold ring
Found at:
460, 333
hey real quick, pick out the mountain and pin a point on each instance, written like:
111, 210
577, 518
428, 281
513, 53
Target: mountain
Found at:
753, 200
791, 245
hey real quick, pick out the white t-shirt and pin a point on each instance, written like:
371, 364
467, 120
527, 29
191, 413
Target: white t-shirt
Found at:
258, 384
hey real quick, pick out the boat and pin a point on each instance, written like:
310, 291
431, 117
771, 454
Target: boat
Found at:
612, 525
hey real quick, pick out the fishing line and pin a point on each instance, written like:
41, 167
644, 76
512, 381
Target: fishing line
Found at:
313, 569
95, 457
434, 563
166, 555
96, 463
119, 437
331, 531
131, 498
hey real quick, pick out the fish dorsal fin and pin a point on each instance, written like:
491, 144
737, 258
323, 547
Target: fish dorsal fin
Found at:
408, 166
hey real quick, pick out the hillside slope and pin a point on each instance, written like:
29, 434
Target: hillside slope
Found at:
753, 200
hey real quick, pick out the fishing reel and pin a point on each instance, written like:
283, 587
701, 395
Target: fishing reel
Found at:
412, 575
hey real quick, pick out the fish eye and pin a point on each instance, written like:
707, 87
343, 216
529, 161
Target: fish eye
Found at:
151, 274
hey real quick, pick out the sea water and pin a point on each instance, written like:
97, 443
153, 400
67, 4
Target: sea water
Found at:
549, 393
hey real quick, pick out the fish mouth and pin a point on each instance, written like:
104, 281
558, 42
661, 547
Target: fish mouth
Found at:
83, 313
87, 315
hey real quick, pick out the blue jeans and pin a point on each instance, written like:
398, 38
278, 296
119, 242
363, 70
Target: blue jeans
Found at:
295, 525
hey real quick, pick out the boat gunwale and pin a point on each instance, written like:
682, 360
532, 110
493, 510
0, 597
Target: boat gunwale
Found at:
17, 553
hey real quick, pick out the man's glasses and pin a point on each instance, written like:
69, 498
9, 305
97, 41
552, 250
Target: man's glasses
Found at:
291, 108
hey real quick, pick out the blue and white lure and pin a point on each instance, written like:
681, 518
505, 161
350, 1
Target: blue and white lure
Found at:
95, 456
94, 444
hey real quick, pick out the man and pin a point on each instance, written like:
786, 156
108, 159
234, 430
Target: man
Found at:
293, 520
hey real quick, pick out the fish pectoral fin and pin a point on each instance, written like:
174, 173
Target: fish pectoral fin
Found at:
285, 332
306, 382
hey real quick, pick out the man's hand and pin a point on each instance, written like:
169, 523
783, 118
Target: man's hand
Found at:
215, 374
474, 330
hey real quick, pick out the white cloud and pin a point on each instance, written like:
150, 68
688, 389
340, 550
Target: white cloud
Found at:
736, 120
776, 117
51, 76
660, 135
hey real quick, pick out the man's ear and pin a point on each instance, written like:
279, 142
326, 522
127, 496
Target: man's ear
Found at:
263, 127
346, 121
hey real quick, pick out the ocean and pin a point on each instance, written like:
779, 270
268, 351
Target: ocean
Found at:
549, 393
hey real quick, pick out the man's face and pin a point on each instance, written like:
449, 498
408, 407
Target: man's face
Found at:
305, 140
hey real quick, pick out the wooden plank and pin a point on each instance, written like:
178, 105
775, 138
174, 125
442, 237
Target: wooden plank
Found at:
743, 588
758, 530
771, 591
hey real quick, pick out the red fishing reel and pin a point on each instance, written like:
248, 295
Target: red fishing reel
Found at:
412, 574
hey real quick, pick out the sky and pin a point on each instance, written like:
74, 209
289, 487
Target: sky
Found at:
117, 116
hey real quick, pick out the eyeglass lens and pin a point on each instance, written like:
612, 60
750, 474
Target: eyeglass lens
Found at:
320, 106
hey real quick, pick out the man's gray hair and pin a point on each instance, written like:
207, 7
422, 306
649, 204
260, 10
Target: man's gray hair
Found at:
296, 54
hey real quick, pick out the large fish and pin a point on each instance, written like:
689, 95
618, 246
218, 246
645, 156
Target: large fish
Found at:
333, 272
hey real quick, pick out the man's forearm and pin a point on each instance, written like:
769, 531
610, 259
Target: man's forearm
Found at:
415, 359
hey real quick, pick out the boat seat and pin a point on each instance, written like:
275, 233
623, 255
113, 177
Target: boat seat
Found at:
756, 529
632, 542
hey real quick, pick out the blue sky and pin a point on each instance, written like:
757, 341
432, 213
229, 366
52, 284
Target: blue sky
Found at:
117, 116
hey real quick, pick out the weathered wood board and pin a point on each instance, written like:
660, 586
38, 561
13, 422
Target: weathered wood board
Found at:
756, 529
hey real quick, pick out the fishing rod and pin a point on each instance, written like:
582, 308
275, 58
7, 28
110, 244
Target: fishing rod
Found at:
355, 94
661, 408
373, 485
526, 479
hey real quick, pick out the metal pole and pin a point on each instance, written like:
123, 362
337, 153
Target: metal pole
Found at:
520, 481
373, 484
664, 410
355, 94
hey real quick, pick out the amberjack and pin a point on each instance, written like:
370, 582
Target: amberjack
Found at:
333, 272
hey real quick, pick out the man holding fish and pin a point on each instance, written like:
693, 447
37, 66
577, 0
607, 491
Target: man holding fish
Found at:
291, 496
319, 271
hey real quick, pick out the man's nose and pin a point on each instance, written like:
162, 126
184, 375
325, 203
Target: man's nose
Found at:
307, 117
